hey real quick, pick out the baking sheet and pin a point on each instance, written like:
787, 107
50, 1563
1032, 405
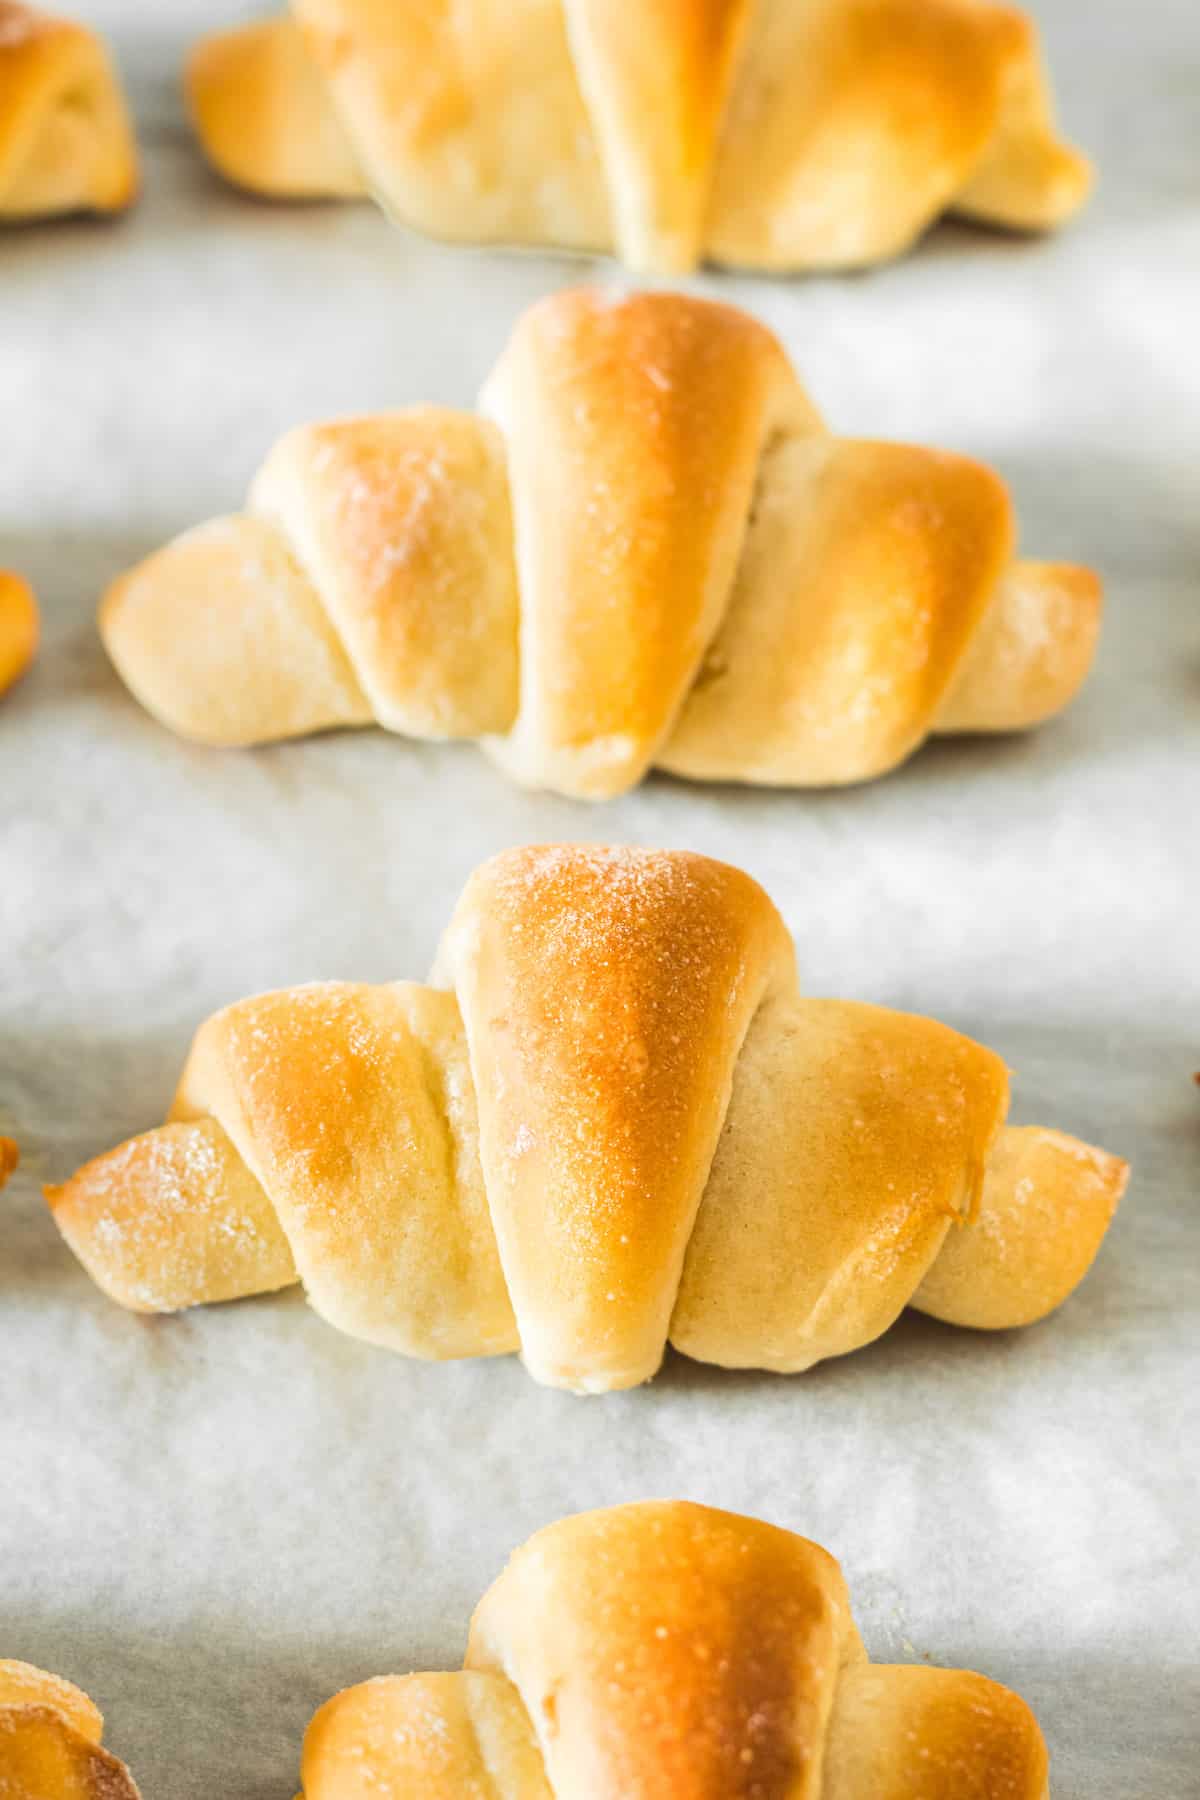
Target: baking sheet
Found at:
214, 1521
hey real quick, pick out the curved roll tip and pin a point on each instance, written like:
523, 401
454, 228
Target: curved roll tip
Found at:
264, 118
1048, 1201
220, 636
1032, 653
171, 1219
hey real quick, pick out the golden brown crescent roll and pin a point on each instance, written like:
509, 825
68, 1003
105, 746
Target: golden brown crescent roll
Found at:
18, 628
665, 1651
647, 550
66, 143
782, 135
611, 1121
50, 1741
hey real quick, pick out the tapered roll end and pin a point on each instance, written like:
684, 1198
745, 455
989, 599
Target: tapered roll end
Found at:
441, 1736
221, 637
1029, 178
1047, 1202
264, 118
945, 1734
1042, 183
172, 1219
1032, 653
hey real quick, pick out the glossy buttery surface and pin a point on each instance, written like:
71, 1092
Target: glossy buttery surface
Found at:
1037, 894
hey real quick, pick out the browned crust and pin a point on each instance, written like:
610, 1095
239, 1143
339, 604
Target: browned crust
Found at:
667, 1649
50, 1741
774, 136
66, 142
20, 627
865, 1136
673, 1652
869, 571
913, 1733
658, 77
660, 557
22, 1684
605, 995
659, 405
619, 1121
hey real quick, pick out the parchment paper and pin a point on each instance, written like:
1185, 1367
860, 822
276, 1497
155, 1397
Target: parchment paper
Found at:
212, 1522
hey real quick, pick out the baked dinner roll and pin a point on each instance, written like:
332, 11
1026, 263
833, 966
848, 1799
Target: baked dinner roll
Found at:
66, 143
610, 1121
663, 1650
647, 549
781, 135
18, 628
50, 1741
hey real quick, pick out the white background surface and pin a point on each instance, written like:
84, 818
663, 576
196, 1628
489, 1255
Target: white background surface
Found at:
213, 1522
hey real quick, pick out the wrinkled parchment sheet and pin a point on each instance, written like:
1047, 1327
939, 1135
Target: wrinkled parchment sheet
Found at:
214, 1521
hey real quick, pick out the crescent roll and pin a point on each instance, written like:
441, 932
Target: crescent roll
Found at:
50, 1741
19, 628
66, 142
611, 1121
667, 1651
646, 550
778, 135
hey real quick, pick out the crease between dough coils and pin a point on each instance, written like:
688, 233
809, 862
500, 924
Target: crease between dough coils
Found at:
648, 551
782, 135
661, 1650
612, 1123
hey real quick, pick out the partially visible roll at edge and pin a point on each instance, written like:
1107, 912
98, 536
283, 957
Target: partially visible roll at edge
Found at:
50, 1741
66, 139
19, 627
